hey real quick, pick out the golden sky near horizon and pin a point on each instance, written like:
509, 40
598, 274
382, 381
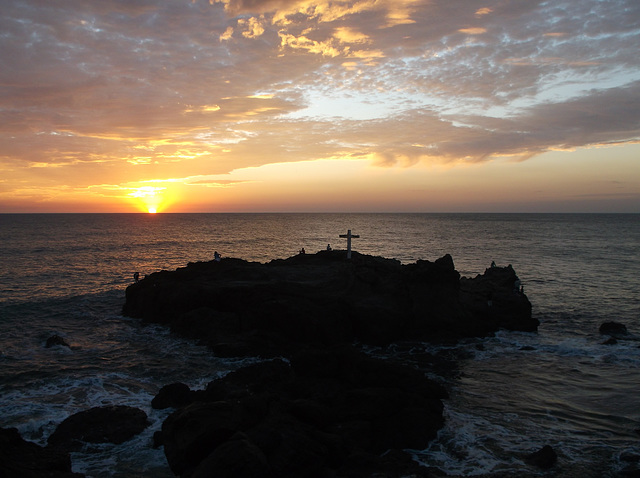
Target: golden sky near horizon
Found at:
297, 105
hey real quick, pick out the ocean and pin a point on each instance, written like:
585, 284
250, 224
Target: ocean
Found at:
65, 274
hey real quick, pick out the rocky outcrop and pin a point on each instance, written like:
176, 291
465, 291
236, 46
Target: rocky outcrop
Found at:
110, 424
174, 395
616, 332
322, 408
23, 459
55, 340
544, 458
496, 300
326, 413
614, 329
248, 308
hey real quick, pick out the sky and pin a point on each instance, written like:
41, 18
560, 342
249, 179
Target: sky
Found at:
319, 106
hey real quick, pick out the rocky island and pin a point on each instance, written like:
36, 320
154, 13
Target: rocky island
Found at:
249, 308
316, 405
319, 406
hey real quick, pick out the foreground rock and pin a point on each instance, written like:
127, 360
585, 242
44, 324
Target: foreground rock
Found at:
248, 308
327, 413
22, 459
326, 409
111, 424
174, 395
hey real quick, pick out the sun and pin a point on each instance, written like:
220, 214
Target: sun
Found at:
150, 198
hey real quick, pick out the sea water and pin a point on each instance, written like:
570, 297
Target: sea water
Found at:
65, 274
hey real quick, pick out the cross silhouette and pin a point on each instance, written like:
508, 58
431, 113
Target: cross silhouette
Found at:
348, 235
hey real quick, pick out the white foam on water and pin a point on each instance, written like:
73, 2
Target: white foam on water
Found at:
517, 392
468, 446
135, 457
37, 410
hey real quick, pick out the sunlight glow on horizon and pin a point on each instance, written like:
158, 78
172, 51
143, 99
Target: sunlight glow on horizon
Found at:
150, 199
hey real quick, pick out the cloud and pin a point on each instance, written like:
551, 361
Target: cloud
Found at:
252, 27
214, 183
395, 12
473, 31
132, 90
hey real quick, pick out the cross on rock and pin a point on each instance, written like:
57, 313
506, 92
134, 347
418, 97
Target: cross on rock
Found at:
348, 235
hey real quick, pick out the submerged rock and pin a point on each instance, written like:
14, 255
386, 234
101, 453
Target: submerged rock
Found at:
544, 458
56, 340
614, 329
111, 424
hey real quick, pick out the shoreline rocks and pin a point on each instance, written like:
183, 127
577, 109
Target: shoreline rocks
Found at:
241, 308
316, 406
20, 458
23, 459
319, 407
109, 424
317, 415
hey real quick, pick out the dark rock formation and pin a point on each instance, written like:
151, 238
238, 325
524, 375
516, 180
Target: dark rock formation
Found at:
631, 461
614, 329
23, 459
494, 301
249, 308
544, 458
111, 424
325, 413
172, 396
616, 332
56, 340
325, 410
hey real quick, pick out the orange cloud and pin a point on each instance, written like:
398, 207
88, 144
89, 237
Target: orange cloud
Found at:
473, 31
483, 11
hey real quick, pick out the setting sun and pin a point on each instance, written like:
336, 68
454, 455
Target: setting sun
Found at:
149, 198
